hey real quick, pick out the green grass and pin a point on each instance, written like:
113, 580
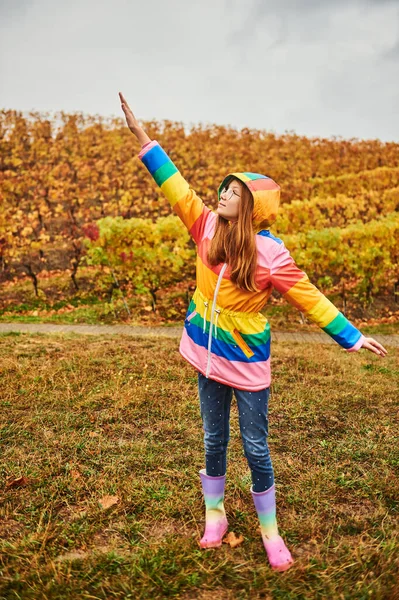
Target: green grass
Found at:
381, 328
88, 315
85, 417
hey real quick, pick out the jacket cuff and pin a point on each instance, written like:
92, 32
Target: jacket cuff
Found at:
147, 147
358, 345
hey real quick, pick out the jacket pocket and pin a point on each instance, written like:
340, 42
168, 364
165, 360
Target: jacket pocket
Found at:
241, 343
191, 315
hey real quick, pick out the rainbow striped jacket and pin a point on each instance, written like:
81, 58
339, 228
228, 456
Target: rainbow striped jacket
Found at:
225, 336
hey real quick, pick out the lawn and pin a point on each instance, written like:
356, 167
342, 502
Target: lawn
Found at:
101, 444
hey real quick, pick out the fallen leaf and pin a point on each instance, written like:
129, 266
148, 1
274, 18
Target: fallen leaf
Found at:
108, 501
18, 482
93, 434
75, 474
233, 540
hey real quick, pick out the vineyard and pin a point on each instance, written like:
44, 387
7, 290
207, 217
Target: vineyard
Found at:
74, 197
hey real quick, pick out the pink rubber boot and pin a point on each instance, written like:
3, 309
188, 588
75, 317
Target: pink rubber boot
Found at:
279, 556
215, 517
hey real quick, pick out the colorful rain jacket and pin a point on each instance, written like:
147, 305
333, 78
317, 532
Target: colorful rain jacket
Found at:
225, 336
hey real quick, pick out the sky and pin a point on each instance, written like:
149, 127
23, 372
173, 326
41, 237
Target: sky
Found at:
311, 67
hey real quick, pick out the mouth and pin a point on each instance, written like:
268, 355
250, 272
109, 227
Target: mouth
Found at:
221, 204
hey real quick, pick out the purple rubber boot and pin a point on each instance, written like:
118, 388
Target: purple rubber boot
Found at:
279, 556
215, 517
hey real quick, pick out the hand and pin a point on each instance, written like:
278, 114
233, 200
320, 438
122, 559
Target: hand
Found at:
132, 122
374, 346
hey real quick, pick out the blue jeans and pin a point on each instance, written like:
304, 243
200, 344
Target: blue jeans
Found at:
215, 402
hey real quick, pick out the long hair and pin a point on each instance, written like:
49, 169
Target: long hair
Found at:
234, 243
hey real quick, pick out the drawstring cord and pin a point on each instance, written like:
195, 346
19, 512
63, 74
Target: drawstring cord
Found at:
217, 310
206, 310
215, 295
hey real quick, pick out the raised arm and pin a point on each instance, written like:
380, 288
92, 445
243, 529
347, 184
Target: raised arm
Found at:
296, 288
183, 199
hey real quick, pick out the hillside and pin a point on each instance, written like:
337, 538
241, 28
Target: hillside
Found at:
339, 207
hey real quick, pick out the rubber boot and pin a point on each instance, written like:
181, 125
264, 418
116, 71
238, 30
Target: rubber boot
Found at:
279, 556
215, 517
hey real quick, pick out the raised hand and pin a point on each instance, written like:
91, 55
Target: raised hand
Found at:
132, 122
374, 346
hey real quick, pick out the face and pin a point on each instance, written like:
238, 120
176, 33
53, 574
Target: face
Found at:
229, 201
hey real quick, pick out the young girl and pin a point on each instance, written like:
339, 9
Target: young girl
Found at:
225, 336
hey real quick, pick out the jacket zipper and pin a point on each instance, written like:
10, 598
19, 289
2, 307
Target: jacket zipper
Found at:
219, 281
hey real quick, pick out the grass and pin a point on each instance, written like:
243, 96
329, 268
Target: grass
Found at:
83, 418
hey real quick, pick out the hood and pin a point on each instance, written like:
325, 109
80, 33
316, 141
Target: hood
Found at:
266, 194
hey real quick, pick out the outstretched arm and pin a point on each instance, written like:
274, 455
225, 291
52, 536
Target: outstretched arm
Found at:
296, 288
183, 199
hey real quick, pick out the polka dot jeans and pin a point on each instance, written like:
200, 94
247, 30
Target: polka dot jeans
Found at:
215, 401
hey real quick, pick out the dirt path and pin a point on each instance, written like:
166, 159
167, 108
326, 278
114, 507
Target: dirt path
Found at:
172, 332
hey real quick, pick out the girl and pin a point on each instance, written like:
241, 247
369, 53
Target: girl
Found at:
225, 336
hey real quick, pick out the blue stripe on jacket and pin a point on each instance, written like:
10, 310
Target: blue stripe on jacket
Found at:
348, 337
155, 158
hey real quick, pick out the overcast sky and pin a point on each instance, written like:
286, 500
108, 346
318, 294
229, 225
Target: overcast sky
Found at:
314, 67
